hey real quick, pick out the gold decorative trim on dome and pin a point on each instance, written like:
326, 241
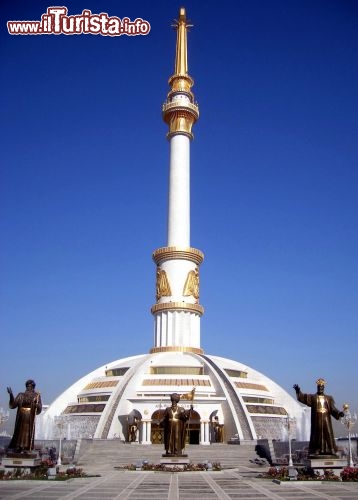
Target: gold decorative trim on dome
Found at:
194, 350
178, 306
250, 385
172, 253
266, 410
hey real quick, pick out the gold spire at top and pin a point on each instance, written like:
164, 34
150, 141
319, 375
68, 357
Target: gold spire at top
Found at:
180, 111
181, 56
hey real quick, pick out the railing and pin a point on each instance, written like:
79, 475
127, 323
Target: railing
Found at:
169, 105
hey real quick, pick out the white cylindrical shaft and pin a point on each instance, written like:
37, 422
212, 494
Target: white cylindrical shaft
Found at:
179, 192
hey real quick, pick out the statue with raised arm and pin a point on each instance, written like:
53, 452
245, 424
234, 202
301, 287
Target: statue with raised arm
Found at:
28, 405
322, 441
175, 419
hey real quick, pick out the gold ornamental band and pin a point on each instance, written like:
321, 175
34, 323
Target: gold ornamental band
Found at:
172, 253
195, 350
189, 107
178, 306
181, 83
25, 410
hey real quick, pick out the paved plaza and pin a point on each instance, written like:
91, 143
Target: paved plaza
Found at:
239, 479
225, 485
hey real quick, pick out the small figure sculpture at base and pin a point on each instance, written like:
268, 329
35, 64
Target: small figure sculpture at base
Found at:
217, 430
322, 443
175, 419
133, 430
28, 405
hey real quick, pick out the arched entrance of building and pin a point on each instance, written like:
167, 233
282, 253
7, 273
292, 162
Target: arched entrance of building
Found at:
192, 431
157, 429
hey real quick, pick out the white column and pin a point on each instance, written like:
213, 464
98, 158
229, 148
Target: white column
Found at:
202, 432
146, 429
207, 433
179, 192
149, 431
144, 432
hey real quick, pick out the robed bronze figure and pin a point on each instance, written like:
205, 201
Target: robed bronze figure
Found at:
28, 405
322, 441
132, 430
175, 419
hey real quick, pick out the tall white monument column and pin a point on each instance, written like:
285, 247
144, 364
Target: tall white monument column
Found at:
177, 310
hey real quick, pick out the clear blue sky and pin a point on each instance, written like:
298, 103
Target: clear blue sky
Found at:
274, 189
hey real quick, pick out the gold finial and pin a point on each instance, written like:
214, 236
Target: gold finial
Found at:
345, 407
321, 381
181, 56
180, 111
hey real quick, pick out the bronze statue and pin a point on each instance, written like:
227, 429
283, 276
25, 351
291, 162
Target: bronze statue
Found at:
322, 441
132, 430
218, 430
175, 419
28, 405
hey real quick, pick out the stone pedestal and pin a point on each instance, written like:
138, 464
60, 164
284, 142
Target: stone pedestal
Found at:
323, 463
27, 462
175, 461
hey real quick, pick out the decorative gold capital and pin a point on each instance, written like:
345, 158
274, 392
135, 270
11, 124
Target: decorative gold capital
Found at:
172, 253
178, 306
180, 117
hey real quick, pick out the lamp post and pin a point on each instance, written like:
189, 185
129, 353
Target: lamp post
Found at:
4, 416
348, 420
289, 421
60, 423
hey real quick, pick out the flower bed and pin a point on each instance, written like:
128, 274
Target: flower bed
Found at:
308, 474
41, 473
165, 468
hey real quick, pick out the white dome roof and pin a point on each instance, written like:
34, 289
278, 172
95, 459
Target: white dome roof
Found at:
245, 401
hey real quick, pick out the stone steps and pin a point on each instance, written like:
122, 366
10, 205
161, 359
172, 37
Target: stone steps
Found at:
107, 454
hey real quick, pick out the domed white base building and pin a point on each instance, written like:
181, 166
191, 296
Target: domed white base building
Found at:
230, 398
103, 403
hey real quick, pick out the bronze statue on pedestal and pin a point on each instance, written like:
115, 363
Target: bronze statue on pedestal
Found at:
322, 443
28, 405
175, 419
